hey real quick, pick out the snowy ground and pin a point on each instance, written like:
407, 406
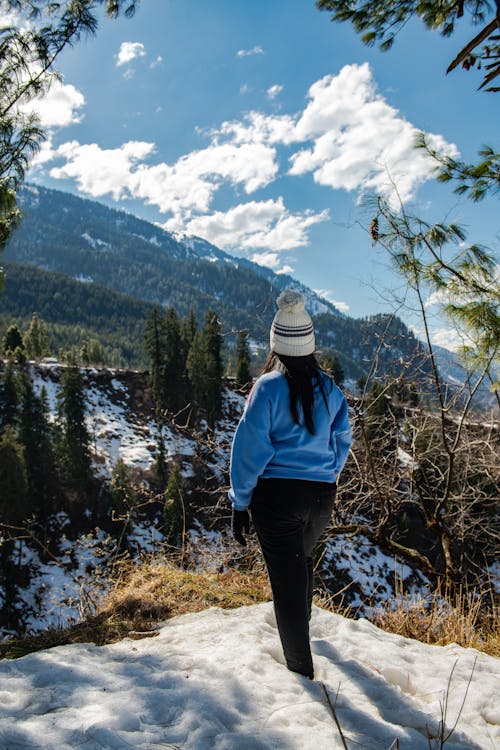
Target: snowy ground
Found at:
216, 681
115, 430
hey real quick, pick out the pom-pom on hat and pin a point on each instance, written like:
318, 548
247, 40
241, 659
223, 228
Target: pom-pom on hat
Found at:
292, 332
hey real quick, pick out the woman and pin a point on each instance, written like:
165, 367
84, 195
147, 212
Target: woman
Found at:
288, 450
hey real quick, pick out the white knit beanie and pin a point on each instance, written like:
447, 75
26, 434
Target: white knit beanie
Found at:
292, 332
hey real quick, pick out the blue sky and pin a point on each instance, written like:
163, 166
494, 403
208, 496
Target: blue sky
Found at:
262, 126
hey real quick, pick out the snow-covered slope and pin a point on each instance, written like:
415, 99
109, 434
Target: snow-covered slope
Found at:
215, 680
54, 592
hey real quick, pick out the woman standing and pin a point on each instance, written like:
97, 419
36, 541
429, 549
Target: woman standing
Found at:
288, 450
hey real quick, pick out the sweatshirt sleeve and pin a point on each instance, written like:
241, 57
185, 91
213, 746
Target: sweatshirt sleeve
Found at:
252, 448
341, 436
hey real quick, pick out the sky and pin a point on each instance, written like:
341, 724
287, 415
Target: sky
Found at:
216, 679
265, 128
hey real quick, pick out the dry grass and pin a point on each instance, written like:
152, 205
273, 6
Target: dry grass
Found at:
439, 620
148, 594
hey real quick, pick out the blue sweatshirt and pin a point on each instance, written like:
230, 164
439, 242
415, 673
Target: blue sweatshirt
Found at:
269, 444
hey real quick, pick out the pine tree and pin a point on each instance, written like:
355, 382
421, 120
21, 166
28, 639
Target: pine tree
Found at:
154, 344
12, 340
212, 344
174, 512
196, 368
35, 436
122, 492
96, 352
35, 338
84, 353
75, 438
243, 375
173, 366
189, 327
13, 511
160, 464
28, 54
9, 398
332, 364
13, 479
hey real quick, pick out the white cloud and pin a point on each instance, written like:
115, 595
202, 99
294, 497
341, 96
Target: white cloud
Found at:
359, 141
257, 50
156, 62
8, 17
448, 338
273, 91
190, 183
129, 51
256, 224
244, 88
258, 128
272, 261
328, 295
59, 107
182, 188
347, 136
100, 171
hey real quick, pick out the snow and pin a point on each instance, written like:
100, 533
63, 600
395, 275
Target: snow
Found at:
216, 680
406, 460
65, 587
373, 576
84, 279
95, 242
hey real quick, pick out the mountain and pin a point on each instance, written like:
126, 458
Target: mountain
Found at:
96, 245
75, 311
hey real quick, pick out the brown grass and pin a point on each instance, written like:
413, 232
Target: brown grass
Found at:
149, 594
461, 619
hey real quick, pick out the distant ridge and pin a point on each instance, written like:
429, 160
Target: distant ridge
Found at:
105, 249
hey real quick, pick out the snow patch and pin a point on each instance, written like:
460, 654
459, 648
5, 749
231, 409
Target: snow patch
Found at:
216, 679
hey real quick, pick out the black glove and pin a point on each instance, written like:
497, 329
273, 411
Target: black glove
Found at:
241, 523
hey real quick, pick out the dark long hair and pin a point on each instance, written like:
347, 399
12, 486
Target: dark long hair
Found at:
302, 374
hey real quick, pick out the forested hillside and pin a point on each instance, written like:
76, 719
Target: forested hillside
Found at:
88, 257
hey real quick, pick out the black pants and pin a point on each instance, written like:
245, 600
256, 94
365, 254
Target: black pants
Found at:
289, 516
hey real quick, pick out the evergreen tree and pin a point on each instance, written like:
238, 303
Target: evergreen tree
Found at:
13, 510
160, 465
174, 513
380, 22
380, 423
243, 375
35, 436
9, 398
332, 364
35, 338
212, 344
122, 492
196, 368
361, 383
96, 352
13, 479
12, 340
173, 365
154, 344
189, 327
28, 54
84, 353
75, 438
